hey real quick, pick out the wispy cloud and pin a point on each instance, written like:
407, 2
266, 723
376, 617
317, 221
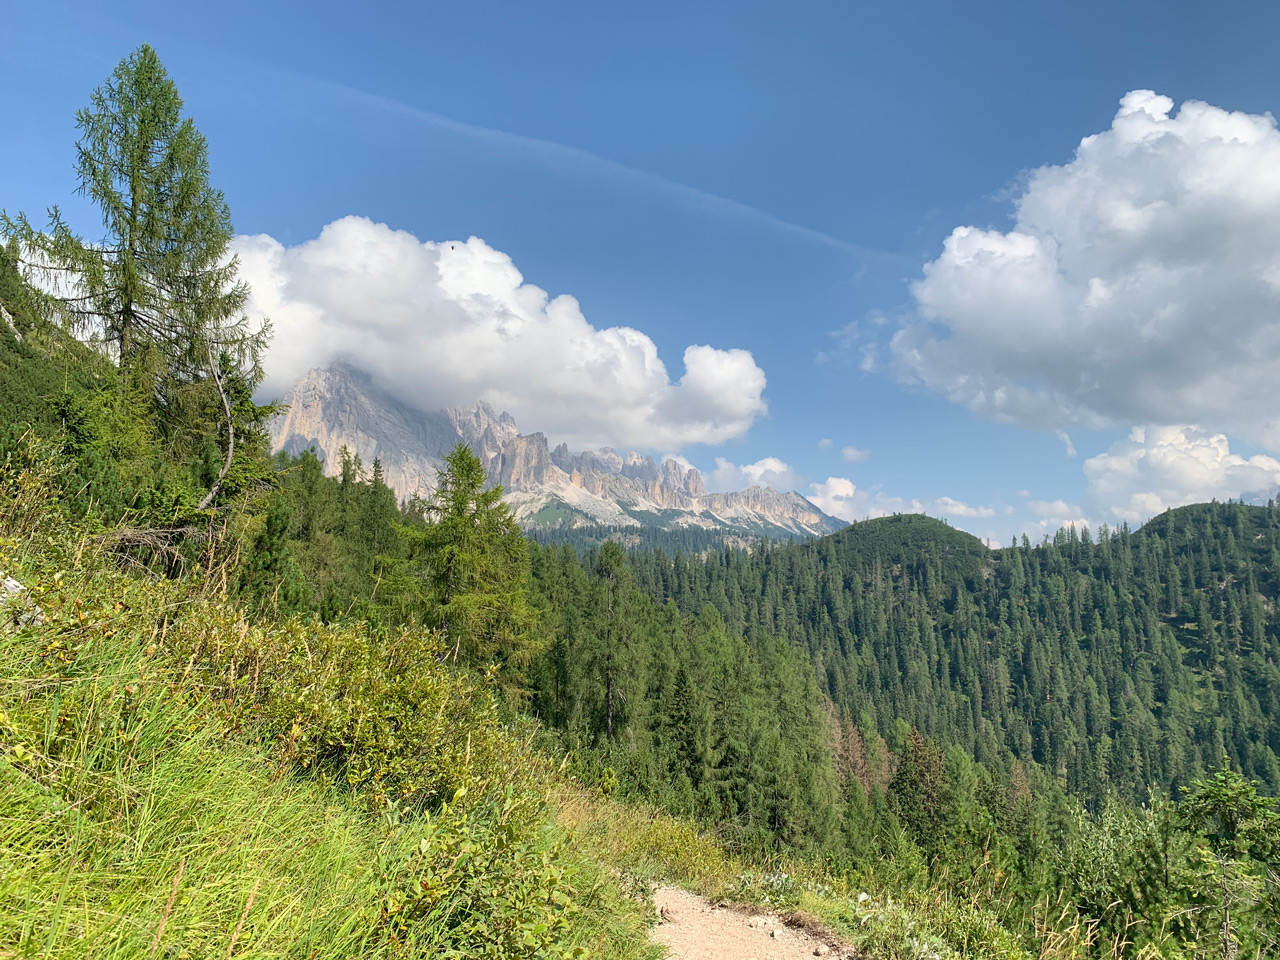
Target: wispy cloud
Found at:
565, 157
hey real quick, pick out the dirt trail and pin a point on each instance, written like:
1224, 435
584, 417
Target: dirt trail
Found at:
692, 929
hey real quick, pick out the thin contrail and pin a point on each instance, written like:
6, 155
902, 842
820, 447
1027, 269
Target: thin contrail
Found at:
562, 154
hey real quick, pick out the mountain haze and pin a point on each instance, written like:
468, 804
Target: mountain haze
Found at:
342, 407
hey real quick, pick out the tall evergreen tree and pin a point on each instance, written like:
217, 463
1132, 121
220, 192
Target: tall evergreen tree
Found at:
158, 287
477, 568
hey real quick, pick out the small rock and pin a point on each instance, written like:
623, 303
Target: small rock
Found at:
25, 612
821, 950
775, 933
755, 923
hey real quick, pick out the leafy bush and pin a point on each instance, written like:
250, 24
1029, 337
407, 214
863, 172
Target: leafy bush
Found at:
482, 882
179, 780
376, 711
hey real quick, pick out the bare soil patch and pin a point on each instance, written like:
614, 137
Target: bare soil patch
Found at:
692, 928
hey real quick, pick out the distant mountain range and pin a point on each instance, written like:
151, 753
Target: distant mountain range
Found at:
548, 488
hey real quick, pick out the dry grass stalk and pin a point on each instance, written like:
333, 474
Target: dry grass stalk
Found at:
243, 916
168, 907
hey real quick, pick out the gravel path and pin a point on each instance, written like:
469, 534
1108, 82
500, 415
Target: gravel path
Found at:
692, 929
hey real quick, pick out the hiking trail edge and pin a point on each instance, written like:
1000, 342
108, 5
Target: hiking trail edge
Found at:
691, 928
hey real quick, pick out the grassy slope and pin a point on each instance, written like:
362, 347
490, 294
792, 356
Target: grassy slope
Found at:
153, 802
646, 847
141, 816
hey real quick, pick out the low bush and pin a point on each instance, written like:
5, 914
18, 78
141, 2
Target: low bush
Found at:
178, 780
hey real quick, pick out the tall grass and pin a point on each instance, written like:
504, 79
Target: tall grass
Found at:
177, 781
878, 914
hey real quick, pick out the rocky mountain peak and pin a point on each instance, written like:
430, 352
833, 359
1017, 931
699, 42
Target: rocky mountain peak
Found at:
689, 481
483, 429
342, 407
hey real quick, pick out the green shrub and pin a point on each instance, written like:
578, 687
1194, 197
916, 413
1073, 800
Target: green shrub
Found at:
482, 881
178, 780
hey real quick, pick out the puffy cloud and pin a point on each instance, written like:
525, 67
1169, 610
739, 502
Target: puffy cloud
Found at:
453, 322
841, 497
1160, 467
683, 461
948, 507
824, 443
1053, 515
1140, 283
767, 472
854, 454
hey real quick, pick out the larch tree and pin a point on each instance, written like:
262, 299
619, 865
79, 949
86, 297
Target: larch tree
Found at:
159, 287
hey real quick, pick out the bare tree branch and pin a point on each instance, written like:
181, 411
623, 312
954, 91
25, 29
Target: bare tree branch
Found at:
231, 433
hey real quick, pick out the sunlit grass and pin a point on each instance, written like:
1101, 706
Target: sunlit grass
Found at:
152, 805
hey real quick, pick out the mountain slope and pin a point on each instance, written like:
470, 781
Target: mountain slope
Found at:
1131, 661
548, 488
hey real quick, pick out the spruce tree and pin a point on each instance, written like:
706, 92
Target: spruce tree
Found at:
477, 567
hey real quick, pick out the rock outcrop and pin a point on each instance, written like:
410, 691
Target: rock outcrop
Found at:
16, 605
342, 407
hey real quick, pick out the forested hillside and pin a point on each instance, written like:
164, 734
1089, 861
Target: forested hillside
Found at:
962, 707
1119, 663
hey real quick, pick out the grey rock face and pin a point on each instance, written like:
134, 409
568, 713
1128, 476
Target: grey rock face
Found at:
16, 605
337, 407
7, 320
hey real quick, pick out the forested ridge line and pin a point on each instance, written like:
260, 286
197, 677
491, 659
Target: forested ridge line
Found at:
1121, 662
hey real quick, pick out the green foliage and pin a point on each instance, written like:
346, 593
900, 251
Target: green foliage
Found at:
1241, 846
19, 301
680, 712
158, 287
1118, 872
918, 794
477, 567
483, 884
1237, 822
1074, 657
176, 776
378, 711
558, 524
159, 280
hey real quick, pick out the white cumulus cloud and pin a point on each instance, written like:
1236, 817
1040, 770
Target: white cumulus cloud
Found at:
854, 454
1054, 515
1139, 284
1159, 467
841, 497
454, 322
766, 472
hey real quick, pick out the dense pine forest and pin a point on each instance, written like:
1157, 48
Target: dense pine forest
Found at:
1118, 664
1063, 748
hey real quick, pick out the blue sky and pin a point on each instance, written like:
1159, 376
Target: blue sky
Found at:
767, 181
